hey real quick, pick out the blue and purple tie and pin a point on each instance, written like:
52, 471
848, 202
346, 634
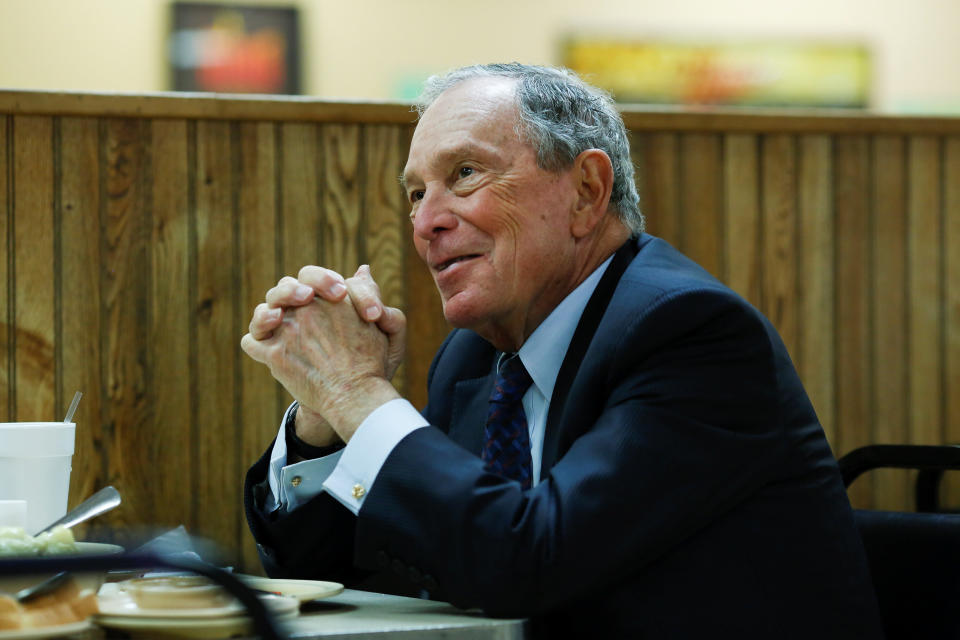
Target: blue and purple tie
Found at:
506, 447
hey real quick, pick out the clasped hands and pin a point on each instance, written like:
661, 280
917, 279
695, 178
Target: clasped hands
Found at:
333, 344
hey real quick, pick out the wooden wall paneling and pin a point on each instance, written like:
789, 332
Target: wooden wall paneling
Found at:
258, 214
660, 185
852, 210
171, 307
925, 228
779, 211
80, 297
6, 259
951, 208
342, 246
701, 172
816, 353
301, 213
889, 313
124, 289
216, 306
384, 223
741, 192
34, 279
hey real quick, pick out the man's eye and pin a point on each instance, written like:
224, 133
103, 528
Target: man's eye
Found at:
416, 195
464, 172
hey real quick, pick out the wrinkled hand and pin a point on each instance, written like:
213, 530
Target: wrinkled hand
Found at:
333, 361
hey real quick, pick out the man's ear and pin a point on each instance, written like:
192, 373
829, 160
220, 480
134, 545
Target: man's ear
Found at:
593, 172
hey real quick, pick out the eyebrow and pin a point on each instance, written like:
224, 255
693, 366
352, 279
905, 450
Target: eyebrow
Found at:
453, 153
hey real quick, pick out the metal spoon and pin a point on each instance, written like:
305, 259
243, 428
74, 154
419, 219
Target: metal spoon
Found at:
100, 502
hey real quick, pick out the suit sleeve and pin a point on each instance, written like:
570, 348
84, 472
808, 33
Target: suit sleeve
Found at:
678, 423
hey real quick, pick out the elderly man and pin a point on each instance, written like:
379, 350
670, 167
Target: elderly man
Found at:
615, 444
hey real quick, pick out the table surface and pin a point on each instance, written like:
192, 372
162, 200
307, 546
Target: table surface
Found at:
362, 614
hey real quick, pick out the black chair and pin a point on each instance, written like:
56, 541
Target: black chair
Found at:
914, 556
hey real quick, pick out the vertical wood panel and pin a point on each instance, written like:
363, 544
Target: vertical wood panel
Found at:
125, 284
259, 410
889, 231
383, 159
951, 180
815, 356
80, 304
6, 219
701, 200
660, 195
851, 207
302, 218
742, 216
342, 240
780, 236
33, 272
215, 498
925, 228
171, 306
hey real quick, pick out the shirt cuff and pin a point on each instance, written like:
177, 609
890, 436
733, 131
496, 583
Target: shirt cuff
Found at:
278, 460
361, 460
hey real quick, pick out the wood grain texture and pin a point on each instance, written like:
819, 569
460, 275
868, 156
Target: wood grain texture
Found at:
779, 210
817, 248
301, 214
851, 207
126, 425
342, 247
171, 374
889, 313
258, 213
925, 229
701, 172
385, 209
7, 357
34, 278
742, 230
660, 185
217, 439
951, 302
80, 302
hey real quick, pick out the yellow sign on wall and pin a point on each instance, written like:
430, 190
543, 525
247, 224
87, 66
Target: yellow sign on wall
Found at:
795, 74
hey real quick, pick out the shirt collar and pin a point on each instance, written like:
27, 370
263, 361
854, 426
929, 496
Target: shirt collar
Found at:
543, 352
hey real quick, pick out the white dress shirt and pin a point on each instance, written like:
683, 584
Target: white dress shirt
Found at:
349, 474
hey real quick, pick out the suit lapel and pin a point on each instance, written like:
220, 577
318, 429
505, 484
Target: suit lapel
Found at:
589, 321
469, 412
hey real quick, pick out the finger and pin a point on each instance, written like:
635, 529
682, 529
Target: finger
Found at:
327, 283
365, 294
289, 292
265, 319
254, 348
392, 321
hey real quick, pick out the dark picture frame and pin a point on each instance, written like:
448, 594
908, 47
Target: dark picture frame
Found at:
234, 48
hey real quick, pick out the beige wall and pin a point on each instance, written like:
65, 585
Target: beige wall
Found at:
367, 48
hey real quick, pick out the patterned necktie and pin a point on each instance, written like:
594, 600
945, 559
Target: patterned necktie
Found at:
506, 447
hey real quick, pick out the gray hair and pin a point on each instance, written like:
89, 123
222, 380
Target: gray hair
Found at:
561, 116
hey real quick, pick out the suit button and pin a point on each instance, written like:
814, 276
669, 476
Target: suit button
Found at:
398, 567
383, 560
414, 574
430, 583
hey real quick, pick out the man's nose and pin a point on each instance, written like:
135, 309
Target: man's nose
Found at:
434, 214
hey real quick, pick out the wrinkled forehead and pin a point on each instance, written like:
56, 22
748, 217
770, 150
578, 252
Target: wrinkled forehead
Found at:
476, 111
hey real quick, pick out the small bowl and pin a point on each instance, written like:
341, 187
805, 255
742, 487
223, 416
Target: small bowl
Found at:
176, 592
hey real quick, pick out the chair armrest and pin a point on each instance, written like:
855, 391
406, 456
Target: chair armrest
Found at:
899, 456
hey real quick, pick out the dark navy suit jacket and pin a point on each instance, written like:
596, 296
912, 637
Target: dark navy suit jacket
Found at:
687, 489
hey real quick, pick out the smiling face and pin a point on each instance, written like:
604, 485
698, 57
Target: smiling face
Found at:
494, 228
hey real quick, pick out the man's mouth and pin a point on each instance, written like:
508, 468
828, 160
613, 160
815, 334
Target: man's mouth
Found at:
443, 266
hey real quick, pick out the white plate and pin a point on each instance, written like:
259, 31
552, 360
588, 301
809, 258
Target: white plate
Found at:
114, 602
55, 631
302, 590
198, 628
85, 580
